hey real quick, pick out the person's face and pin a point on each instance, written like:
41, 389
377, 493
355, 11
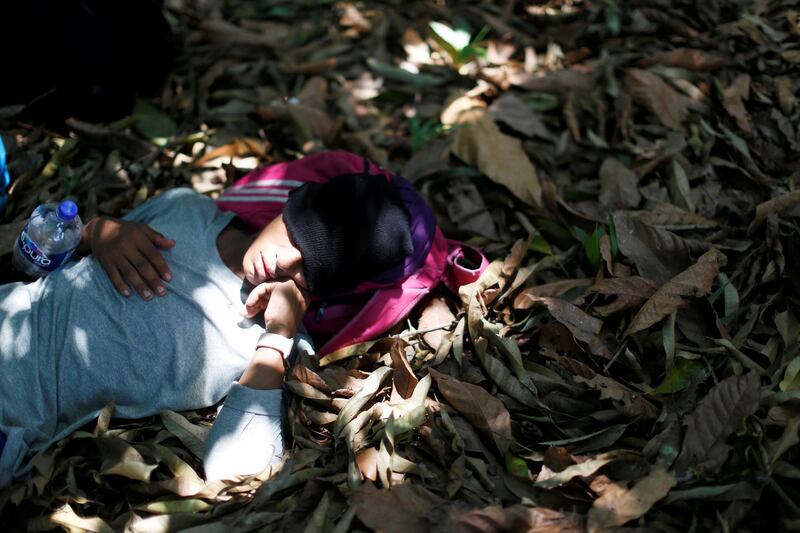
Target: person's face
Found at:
273, 256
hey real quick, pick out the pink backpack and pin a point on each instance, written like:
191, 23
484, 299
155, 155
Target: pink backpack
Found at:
373, 307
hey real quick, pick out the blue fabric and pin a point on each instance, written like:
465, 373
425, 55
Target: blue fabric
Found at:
197, 342
2, 442
5, 180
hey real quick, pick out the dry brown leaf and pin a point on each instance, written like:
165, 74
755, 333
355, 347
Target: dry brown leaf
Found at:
435, 314
618, 185
403, 379
122, 459
353, 18
303, 374
630, 292
519, 116
658, 254
626, 401
527, 297
511, 263
220, 30
652, 92
606, 254
484, 411
694, 282
733, 101
573, 365
774, 205
688, 58
785, 94
240, 147
669, 216
718, 415
479, 142
399, 510
619, 505
367, 461
557, 81
792, 56
583, 326
570, 114
496, 519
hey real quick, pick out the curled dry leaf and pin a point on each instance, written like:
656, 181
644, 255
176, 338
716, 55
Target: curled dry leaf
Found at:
718, 415
511, 263
655, 94
484, 411
619, 505
693, 282
403, 379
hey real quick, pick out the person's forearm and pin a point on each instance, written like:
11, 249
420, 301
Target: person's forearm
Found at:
265, 370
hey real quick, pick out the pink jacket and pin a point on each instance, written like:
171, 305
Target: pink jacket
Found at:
260, 196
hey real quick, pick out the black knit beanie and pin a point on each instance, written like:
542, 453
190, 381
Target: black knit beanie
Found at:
348, 229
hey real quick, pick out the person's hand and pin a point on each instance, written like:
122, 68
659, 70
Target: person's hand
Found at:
130, 253
283, 302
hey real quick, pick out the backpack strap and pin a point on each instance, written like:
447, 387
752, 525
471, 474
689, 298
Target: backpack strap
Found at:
464, 265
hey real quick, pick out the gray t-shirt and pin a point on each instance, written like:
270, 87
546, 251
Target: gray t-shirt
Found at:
70, 343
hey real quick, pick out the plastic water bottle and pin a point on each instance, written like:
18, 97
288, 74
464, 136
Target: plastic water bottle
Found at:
48, 239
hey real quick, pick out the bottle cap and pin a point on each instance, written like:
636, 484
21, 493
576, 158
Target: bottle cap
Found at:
67, 210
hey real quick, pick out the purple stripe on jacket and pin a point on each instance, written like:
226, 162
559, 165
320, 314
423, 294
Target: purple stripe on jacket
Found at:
422, 223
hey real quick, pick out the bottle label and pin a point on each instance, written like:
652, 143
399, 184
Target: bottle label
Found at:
35, 255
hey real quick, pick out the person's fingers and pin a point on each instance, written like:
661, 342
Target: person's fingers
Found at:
156, 259
257, 299
117, 281
158, 239
131, 274
147, 271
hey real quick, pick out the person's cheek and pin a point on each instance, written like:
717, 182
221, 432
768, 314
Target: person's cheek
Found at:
249, 267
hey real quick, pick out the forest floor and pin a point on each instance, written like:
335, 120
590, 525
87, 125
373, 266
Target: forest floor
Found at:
630, 357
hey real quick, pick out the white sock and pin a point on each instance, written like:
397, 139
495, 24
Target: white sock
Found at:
246, 436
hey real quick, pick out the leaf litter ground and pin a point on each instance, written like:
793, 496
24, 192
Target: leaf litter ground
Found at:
630, 357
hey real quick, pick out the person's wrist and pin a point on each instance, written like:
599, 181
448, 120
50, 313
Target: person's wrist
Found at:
277, 341
277, 327
93, 228
268, 356
86, 235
